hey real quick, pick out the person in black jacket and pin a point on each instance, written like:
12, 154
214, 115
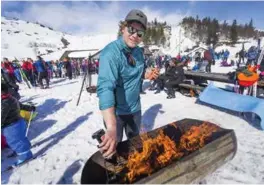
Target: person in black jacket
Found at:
173, 76
12, 86
67, 65
14, 127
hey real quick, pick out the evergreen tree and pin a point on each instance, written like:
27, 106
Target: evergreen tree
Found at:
155, 22
251, 28
215, 30
246, 31
233, 32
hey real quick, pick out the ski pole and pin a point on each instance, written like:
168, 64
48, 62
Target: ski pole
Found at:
84, 78
29, 121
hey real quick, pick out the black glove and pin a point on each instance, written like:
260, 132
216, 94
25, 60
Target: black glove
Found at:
32, 108
27, 107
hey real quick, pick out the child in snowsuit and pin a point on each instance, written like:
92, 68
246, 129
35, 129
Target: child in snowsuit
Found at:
14, 127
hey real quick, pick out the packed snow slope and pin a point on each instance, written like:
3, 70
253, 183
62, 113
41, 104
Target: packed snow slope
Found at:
61, 133
23, 39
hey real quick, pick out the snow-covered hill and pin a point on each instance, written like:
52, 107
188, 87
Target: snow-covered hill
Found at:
23, 39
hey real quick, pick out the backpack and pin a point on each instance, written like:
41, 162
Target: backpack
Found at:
252, 53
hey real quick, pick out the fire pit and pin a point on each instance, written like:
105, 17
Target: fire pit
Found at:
181, 152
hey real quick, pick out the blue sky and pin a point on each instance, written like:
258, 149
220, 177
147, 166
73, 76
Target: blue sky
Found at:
102, 17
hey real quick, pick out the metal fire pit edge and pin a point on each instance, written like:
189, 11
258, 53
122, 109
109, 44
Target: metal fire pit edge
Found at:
196, 166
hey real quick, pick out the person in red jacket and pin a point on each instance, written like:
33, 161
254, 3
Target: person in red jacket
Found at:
27, 67
208, 56
7, 65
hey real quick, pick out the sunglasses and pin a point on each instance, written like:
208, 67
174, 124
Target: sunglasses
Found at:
132, 30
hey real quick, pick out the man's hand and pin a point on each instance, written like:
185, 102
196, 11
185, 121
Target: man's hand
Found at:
152, 74
109, 143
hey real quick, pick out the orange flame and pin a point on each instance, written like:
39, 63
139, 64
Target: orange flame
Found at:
195, 137
162, 148
160, 151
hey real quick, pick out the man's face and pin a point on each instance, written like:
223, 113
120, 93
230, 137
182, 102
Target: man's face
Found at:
133, 34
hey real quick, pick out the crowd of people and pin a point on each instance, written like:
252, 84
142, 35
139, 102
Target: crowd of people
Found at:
121, 72
14, 115
37, 71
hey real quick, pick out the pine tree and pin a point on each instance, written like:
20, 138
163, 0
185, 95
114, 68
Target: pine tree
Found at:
233, 32
155, 22
147, 36
215, 30
246, 30
251, 28
209, 31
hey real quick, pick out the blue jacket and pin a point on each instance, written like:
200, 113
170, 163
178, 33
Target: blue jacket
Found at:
118, 82
39, 66
226, 54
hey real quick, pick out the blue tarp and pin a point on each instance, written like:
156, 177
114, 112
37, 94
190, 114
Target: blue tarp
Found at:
232, 101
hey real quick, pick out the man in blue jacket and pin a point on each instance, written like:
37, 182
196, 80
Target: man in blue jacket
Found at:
121, 70
42, 70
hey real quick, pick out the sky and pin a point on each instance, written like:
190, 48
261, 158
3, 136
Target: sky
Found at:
94, 17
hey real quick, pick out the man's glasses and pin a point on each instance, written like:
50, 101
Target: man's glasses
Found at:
132, 30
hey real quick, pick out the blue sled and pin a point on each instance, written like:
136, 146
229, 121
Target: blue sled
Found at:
232, 101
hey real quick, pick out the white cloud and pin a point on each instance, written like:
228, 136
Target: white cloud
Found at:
170, 18
78, 18
87, 17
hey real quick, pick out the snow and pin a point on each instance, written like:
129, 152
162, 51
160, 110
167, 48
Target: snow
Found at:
33, 40
61, 133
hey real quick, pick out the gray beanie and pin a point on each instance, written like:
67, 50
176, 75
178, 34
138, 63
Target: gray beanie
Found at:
137, 15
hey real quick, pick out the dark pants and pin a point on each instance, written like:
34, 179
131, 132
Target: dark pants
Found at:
69, 73
250, 62
170, 85
164, 81
160, 82
131, 123
41, 76
29, 75
208, 67
141, 86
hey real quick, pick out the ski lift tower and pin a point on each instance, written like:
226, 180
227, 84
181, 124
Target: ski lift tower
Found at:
179, 41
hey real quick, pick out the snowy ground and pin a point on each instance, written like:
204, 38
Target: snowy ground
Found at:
61, 133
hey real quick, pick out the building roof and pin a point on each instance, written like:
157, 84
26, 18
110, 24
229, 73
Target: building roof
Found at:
82, 54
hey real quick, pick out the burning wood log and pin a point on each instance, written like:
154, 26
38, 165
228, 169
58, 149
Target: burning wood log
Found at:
180, 152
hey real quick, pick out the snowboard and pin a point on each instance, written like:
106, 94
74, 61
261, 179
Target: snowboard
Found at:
233, 101
98, 170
